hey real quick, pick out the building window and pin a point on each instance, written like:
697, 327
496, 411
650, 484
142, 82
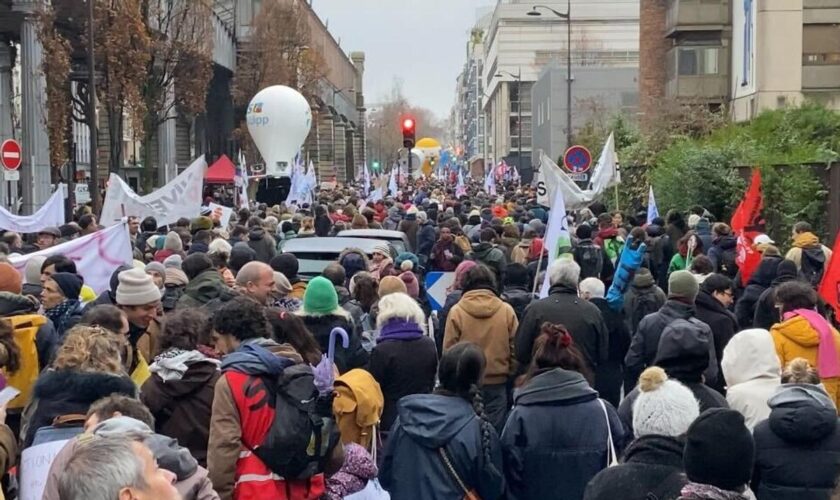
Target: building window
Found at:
820, 44
697, 61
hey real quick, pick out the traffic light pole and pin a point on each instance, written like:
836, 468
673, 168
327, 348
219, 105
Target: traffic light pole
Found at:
408, 163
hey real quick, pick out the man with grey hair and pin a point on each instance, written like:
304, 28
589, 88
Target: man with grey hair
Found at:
426, 237
115, 468
256, 280
564, 306
609, 375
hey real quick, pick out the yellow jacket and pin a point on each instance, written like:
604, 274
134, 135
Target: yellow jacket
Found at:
795, 338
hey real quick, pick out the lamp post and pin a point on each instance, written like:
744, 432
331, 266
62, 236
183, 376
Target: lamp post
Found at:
568, 17
518, 78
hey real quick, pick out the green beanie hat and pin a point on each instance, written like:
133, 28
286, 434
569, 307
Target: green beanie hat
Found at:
320, 296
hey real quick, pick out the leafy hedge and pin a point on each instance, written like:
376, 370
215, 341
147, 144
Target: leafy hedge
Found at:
789, 145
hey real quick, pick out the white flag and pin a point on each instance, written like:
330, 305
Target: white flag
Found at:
557, 240
490, 182
392, 182
96, 255
366, 180
181, 197
242, 180
51, 214
552, 178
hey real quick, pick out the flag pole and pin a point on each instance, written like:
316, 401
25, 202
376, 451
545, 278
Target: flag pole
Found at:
539, 264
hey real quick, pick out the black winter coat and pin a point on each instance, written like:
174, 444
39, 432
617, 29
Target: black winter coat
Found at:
402, 367
451, 300
519, 298
69, 392
582, 319
609, 375
723, 324
766, 313
412, 466
354, 356
797, 449
425, 239
262, 244
555, 439
645, 342
651, 465
760, 280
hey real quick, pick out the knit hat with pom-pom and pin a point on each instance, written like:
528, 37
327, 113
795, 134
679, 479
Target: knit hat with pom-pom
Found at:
664, 407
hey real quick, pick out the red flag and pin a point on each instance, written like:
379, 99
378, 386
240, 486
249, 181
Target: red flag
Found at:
830, 284
747, 223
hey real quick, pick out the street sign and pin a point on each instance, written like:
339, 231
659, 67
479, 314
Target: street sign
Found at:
436, 285
579, 177
577, 159
82, 193
10, 154
11, 175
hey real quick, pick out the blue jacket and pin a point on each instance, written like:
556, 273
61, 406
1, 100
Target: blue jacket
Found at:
555, 439
425, 239
412, 466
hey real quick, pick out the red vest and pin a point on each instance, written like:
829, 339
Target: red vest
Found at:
253, 479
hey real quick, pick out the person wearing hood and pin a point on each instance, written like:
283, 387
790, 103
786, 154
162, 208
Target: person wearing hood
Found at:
652, 465
441, 445
559, 435
810, 256
32, 276
174, 283
353, 260
645, 345
716, 296
798, 447
321, 313
487, 253
86, 368
718, 457
609, 375
355, 475
564, 306
723, 250
686, 353
703, 230
404, 360
205, 283
804, 333
517, 289
179, 392
592, 259
259, 241
760, 280
660, 251
288, 264
482, 318
766, 313
172, 245
392, 222
751, 369
642, 298
60, 300
238, 424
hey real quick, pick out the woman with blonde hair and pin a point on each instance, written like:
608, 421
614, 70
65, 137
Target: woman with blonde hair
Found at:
87, 367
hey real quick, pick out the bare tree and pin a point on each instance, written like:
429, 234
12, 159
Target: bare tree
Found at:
56, 68
178, 69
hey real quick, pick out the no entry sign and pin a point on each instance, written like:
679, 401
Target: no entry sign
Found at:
10, 154
577, 159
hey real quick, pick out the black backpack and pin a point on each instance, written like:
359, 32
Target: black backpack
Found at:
813, 266
590, 258
646, 303
303, 433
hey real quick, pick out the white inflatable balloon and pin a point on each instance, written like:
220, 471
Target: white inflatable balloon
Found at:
279, 119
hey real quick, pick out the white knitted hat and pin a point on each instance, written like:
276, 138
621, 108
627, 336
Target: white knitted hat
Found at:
219, 246
664, 407
136, 288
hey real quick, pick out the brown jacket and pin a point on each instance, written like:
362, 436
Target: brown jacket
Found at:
226, 431
182, 407
148, 345
482, 318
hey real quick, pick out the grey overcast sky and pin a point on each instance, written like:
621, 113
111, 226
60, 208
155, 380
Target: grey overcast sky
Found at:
421, 42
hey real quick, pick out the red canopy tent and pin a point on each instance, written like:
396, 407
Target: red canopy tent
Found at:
221, 172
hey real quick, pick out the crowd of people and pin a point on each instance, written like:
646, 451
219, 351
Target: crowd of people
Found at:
213, 367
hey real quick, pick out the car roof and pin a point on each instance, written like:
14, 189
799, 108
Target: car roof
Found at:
373, 233
330, 244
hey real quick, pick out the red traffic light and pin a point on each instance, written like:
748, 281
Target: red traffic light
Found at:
408, 124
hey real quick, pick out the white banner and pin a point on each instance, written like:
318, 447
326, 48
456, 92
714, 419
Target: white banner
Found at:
35, 463
96, 255
181, 197
51, 214
552, 177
